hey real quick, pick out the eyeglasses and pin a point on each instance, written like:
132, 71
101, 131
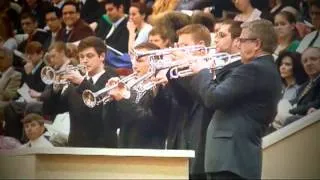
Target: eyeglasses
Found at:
243, 40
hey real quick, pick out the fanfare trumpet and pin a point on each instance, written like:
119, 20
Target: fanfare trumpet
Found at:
156, 54
92, 99
51, 76
216, 61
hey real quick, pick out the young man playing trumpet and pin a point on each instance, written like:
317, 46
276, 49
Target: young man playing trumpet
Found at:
145, 113
88, 128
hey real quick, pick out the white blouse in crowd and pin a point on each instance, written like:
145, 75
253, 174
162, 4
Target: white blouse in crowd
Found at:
255, 15
40, 142
143, 34
304, 44
290, 92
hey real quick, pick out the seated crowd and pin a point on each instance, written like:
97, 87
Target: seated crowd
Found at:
62, 36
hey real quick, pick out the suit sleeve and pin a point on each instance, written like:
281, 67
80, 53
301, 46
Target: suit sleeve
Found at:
240, 84
303, 109
10, 92
55, 102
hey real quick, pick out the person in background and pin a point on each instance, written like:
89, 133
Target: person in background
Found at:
313, 38
161, 37
308, 97
33, 126
137, 27
7, 39
10, 80
54, 22
76, 29
288, 38
248, 12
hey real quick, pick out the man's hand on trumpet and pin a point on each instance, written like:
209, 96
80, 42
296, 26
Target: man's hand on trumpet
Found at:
120, 92
197, 66
161, 77
74, 77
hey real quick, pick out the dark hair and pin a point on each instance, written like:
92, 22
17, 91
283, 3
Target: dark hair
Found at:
94, 42
234, 29
116, 3
27, 15
141, 7
203, 18
72, 3
33, 117
59, 46
55, 10
147, 45
297, 69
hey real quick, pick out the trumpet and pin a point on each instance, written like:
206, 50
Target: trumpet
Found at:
217, 61
51, 76
92, 99
156, 54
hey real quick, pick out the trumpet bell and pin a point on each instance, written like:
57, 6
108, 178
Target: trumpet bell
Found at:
48, 75
89, 99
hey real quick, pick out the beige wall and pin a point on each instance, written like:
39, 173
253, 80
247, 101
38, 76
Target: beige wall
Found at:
296, 156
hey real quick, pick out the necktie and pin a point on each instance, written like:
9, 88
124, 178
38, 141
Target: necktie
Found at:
306, 89
314, 39
91, 80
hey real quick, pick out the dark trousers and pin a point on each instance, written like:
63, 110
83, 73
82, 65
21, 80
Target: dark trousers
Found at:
223, 175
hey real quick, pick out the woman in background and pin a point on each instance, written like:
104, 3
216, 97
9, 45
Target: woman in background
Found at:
288, 38
137, 27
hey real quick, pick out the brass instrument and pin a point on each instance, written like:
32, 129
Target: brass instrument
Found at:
158, 54
51, 76
92, 99
216, 61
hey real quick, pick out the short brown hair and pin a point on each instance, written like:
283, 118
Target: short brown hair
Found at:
234, 29
265, 32
33, 117
34, 47
163, 33
199, 33
93, 42
59, 46
147, 45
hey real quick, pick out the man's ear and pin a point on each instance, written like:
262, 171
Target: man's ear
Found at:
102, 56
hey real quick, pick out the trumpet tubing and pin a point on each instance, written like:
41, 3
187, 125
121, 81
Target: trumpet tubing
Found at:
92, 99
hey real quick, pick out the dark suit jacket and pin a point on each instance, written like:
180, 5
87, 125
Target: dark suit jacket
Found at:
80, 30
34, 80
244, 104
144, 125
91, 11
87, 126
119, 38
192, 118
310, 99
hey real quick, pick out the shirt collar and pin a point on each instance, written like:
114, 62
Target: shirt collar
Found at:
97, 76
116, 24
36, 67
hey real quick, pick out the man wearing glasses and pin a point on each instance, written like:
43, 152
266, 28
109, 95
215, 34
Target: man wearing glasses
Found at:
244, 103
75, 29
313, 38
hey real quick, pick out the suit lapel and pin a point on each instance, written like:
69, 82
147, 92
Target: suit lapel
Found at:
5, 79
